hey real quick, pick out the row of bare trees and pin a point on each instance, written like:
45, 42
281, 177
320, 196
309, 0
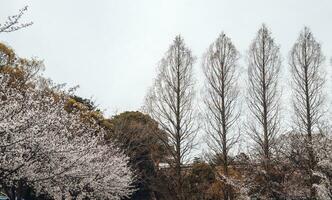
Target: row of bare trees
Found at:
171, 100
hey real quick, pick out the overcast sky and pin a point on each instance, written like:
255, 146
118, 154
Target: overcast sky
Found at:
111, 48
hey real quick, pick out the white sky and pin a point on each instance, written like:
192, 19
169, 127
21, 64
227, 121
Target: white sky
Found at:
111, 48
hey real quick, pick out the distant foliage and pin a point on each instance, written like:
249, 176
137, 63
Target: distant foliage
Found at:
139, 136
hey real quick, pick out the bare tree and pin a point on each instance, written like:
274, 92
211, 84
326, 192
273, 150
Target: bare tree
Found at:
13, 22
308, 98
263, 95
170, 103
221, 94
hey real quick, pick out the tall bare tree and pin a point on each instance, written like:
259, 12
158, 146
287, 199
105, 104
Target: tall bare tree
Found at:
170, 102
305, 60
263, 95
221, 94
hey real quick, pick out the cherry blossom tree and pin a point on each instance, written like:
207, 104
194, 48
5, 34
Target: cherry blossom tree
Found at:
293, 153
54, 151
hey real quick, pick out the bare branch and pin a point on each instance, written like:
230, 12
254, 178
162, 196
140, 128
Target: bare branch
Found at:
13, 22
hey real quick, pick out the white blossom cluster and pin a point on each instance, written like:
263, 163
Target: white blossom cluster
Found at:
294, 150
55, 151
323, 145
